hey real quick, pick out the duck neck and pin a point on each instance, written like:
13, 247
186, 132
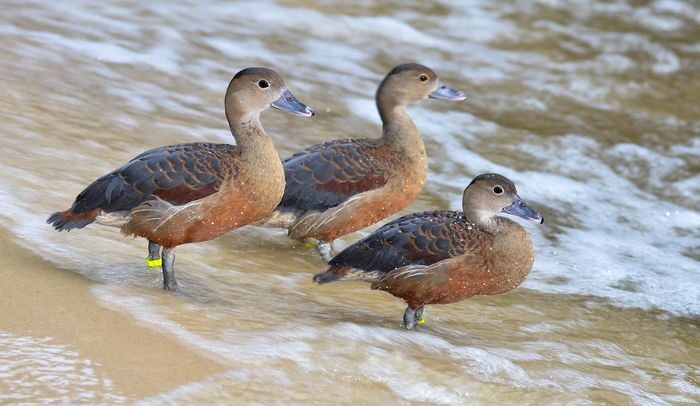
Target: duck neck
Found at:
485, 220
508, 236
510, 240
514, 253
252, 141
397, 126
399, 131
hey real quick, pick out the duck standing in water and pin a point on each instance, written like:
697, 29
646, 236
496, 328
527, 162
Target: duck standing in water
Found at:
341, 186
438, 257
195, 192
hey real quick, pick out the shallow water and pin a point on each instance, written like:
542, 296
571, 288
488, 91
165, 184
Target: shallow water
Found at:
36, 370
592, 111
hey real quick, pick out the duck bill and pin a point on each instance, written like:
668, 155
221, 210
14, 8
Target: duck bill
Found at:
444, 92
291, 104
521, 209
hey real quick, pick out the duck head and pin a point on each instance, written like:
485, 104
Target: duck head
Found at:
254, 90
412, 82
491, 194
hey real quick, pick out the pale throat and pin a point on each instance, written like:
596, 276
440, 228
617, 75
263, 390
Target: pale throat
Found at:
485, 219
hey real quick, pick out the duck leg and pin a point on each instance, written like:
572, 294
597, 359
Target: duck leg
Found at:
153, 260
419, 315
169, 282
325, 250
412, 317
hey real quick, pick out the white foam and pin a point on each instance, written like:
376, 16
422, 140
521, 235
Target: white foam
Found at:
625, 233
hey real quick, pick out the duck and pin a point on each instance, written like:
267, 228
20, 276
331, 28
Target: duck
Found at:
340, 186
440, 257
195, 192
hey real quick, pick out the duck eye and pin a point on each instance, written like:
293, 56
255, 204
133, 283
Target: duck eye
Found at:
263, 84
497, 190
423, 77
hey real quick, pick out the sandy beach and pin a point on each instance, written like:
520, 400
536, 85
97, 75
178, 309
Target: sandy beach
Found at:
40, 300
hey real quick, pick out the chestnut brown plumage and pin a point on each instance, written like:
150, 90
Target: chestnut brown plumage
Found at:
341, 186
436, 257
195, 192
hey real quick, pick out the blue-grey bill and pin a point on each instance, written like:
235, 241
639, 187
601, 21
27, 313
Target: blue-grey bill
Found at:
288, 102
445, 92
521, 209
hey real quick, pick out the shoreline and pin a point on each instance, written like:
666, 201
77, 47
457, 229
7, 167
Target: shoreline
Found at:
42, 300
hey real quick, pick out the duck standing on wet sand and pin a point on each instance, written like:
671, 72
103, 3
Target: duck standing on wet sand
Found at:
195, 192
341, 186
438, 257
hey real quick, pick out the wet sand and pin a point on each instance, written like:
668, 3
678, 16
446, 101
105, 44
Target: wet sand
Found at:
41, 300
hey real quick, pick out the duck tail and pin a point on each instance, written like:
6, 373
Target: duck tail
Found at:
346, 273
68, 220
89, 204
332, 274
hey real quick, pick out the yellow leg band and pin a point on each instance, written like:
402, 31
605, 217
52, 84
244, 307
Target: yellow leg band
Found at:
153, 263
421, 321
309, 244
